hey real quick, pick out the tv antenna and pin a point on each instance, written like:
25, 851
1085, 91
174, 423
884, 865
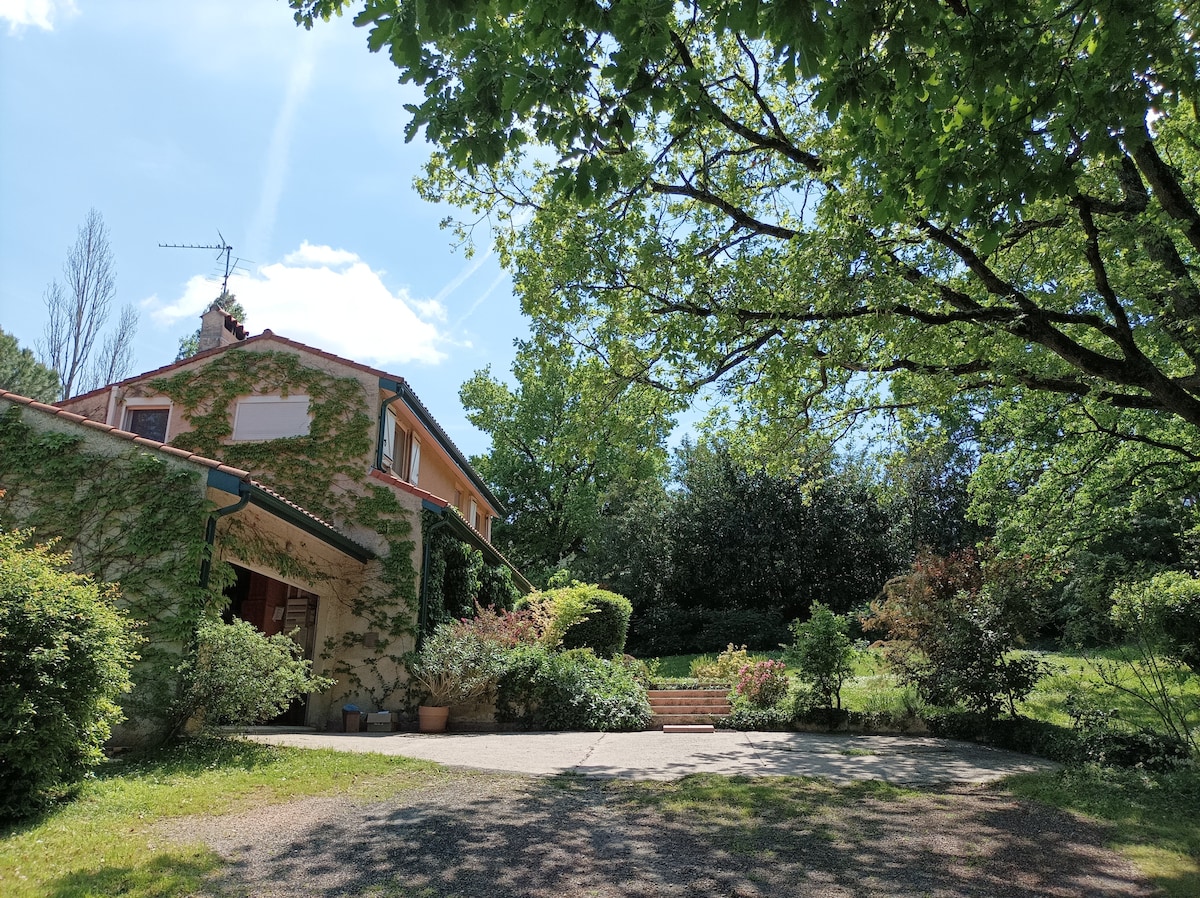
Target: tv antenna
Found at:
223, 247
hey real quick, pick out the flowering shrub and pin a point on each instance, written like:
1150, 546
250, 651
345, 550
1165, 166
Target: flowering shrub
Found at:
762, 683
504, 628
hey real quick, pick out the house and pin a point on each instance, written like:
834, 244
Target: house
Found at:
328, 501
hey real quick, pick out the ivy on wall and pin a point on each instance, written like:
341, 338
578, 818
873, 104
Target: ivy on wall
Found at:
323, 471
458, 576
135, 518
302, 468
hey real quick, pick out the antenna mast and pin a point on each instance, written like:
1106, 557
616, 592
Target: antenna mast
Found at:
223, 247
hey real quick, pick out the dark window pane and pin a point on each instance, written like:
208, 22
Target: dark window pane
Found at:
150, 423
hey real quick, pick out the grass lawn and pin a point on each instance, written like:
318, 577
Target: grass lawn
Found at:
873, 688
101, 843
1155, 818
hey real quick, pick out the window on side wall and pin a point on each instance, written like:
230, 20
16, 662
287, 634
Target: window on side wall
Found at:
149, 421
271, 417
414, 462
473, 518
389, 440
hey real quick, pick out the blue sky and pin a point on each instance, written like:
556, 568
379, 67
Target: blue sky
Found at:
176, 120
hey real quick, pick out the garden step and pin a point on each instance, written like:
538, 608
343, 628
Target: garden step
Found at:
689, 728
667, 693
658, 721
721, 708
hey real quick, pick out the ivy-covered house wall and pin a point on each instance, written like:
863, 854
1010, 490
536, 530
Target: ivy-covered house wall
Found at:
127, 515
366, 624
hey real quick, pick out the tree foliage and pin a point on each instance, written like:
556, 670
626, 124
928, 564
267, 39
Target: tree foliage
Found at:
566, 440
23, 374
823, 207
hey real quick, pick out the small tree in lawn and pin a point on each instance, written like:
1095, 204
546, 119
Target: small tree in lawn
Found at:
952, 634
823, 653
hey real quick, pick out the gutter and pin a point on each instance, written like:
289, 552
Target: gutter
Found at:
249, 493
210, 532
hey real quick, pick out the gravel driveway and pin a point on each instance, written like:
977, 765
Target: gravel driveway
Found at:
486, 835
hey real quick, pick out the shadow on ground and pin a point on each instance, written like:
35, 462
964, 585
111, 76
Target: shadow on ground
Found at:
487, 836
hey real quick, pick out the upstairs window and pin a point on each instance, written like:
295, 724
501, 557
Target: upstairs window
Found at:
149, 421
414, 462
389, 440
271, 417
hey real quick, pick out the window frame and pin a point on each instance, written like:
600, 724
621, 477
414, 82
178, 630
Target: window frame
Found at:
272, 398
136, 404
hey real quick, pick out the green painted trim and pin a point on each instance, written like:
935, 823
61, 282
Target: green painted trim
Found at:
256, 495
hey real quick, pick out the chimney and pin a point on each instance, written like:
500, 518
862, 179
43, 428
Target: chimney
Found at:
219, 328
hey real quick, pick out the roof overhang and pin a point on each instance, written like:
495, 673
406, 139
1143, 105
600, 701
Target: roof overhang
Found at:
272, 502
417, 407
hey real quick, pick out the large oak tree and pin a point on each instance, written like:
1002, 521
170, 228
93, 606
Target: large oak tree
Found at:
826, 206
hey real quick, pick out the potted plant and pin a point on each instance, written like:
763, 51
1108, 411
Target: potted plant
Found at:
453, 666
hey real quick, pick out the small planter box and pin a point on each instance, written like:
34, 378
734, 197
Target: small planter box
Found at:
379, 722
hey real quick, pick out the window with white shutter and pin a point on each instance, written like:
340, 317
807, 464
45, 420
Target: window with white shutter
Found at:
271, 417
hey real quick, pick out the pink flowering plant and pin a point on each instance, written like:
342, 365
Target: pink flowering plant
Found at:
762, 683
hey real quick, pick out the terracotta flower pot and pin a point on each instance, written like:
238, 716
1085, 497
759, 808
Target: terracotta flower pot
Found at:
432, 719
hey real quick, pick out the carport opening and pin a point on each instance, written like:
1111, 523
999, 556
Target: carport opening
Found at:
273, 606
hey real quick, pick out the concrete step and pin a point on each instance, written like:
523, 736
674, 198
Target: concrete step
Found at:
658, 721
689, 728
721, 709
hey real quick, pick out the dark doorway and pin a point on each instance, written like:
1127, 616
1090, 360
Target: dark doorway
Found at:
273, 606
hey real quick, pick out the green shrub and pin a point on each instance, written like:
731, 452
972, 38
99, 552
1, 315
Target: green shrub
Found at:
571, 690
1166, 609
587, 617
65, 655
458, 663
240, 676
952, 636
822, 653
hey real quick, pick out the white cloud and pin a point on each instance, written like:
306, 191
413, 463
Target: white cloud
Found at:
36, 13
348, 311
308, 254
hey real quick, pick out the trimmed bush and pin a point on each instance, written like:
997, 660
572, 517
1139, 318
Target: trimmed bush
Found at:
65, 655
240, 676
571, 690
589, 617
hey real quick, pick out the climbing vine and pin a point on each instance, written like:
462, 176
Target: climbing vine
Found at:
303, 468
135, 518
324, 472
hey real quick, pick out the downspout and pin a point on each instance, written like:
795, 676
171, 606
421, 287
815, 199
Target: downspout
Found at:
426, 541
210, 533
